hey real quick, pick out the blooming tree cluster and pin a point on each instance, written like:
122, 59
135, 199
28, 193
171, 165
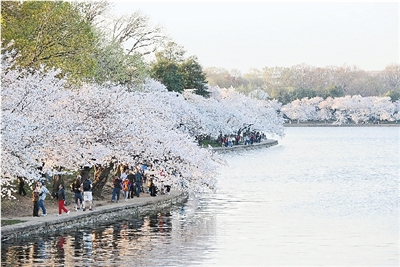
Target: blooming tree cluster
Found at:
227, 111
46, 124
343, 110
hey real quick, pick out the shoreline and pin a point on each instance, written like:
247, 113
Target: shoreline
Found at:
51, 224
264, 143
307, 124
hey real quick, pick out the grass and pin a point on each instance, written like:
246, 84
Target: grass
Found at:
10, 222
212, 143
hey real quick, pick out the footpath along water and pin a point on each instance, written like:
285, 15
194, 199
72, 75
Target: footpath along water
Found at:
51, 224
324, 196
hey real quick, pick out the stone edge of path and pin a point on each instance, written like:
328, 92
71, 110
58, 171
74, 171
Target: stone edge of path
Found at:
265, 143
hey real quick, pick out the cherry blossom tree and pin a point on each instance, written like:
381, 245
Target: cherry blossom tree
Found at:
307, 109
47, 127
30, 126
343, 110
228, 111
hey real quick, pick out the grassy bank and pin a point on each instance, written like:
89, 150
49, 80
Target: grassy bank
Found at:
10, 222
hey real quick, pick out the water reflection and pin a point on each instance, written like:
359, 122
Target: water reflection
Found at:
138, 241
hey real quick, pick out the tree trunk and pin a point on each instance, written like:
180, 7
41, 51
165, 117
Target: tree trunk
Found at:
84, 173
120, 170
101, 174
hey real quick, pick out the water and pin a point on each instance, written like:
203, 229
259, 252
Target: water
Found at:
322, 197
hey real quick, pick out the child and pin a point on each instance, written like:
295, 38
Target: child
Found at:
125, 188
61, 200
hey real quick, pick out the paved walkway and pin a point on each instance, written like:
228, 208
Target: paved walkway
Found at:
136, 205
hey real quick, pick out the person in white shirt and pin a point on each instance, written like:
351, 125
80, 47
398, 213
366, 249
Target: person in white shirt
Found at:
124, 175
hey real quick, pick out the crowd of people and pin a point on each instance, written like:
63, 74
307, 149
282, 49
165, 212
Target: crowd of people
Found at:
39, 195
130, 184
247, 139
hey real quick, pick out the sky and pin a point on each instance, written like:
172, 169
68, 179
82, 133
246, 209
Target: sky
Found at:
246, 35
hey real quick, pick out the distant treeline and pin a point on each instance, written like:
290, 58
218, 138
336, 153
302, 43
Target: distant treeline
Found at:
290, 83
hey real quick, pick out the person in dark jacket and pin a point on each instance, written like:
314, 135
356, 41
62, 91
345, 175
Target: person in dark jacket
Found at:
21, 189
131, 178
153, 188
138, 181
61, 200
76, 187
117, 189
87, 193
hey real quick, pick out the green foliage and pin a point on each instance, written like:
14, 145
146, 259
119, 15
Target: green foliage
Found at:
10, 222
168, 73
50, 33
283, 95
193, 76
177, 73
394, 95
302, 93
333, 91
207, 142
288, 94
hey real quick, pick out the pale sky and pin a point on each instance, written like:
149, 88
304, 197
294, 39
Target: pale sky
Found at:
245, 35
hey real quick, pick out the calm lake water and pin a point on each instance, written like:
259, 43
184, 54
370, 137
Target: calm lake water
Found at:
322, 197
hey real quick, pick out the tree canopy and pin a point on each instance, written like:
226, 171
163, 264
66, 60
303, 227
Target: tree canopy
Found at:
81, 40
51, 33
177, 73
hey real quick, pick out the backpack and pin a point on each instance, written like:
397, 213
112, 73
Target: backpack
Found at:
86, 185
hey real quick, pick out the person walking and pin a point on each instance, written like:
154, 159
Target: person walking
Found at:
76, 187
61, 200
43, 191
21, 184
138, 181
117, 189
131, 178
87, 193
153, 188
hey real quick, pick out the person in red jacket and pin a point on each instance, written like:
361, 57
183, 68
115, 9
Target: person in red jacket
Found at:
61, 200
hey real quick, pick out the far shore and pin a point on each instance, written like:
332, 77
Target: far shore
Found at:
329, 124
